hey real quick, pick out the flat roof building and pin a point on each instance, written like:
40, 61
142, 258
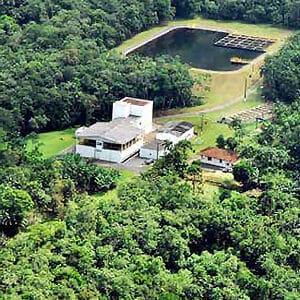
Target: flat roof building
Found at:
122, 137
153, 150
175, 131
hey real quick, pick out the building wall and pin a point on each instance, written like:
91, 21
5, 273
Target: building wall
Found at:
107, 154
151, 153
216, 162
85, 151
120, 110
173, 138
146, 114
124, 110
118, 156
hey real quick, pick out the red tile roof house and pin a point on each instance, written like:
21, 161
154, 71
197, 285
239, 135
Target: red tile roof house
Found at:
218, 157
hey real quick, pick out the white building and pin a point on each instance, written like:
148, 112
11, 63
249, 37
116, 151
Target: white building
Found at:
218, 157
133, 107
153, 150
121, 138
174, 131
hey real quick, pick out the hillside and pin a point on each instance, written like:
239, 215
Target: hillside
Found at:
70, 229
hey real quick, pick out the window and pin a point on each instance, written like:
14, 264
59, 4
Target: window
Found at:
209, 158
89, 143
110, 146
220, 160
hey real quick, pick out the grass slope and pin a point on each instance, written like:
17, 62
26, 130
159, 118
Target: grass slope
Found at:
52, 143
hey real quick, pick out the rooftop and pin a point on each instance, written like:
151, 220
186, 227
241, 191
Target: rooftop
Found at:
155, 145
117, 131
176, 128
219, 153
136, 101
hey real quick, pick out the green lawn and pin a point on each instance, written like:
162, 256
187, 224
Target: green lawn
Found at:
52, 143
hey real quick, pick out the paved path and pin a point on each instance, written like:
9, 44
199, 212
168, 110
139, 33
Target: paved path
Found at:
215, 108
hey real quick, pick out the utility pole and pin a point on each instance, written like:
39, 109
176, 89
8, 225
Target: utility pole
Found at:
245, 88
202, 123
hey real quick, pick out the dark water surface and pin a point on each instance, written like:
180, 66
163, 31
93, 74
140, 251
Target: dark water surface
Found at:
196, 48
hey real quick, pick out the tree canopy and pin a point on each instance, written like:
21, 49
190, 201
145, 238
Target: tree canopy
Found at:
57, 69
284, 12
72, 230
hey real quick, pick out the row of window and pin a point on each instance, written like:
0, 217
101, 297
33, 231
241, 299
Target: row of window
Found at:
220, 160
108, 146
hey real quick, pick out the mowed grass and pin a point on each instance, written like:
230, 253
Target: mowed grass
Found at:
52, 143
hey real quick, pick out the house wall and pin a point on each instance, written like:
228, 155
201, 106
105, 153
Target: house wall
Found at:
138, 123
85, 151
174, 139
118, 156
151, 153
107, 154
146, 114
216, 162
120, 110
124, 110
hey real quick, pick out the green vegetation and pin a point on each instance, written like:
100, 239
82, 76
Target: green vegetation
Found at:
284, 12
72, 230
161, 234
282, 73
53, 77
52, 143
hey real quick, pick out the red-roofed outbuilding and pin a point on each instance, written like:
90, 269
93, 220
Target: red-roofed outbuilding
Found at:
218, 157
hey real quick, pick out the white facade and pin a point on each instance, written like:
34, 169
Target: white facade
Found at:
86, 151
122, 137
216, 162
120, 110
131, 107
107, 154
168, 136
151, 153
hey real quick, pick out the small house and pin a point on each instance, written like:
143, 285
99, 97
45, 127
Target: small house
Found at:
174, 132
218, 157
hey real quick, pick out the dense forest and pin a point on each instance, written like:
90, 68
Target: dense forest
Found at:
67, 232
56, 70
159, 237
282, 73
283, 12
